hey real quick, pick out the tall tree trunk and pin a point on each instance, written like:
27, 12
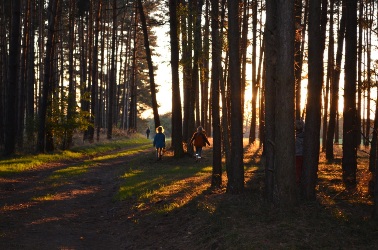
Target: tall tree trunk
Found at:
236, 175
255, 82
186, 64
205, 107
133, 87
43, 132
112, 81
313, 109
284, 115
368, 85
150, 66
332, 126
21, 100
94, 86
359, 74
270, 39
373, 161
176, 97
3, 71
216, 180
330, 73
30, 75
12, 88
349, 162
197, 51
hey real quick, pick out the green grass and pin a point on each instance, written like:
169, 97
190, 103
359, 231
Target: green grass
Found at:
141, 183
28, 162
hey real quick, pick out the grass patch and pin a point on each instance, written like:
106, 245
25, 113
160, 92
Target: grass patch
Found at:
70, 171
30, 162
143, 184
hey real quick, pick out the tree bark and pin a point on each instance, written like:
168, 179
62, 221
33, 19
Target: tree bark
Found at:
313, 109
236, 174
284, 111
176, 97
216, 180
12, 88
45, 104
270, 39
349, 161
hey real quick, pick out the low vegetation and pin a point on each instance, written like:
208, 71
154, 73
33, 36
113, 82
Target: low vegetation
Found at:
170, 204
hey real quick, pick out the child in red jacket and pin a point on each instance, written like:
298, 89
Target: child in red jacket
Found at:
199, 140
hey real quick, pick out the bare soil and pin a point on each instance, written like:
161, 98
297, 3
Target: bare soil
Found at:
82, 213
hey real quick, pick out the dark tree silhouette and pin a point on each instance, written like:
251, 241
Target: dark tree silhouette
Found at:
349, 162
236, 172
12, 87
313, 108
44, 133
216, 180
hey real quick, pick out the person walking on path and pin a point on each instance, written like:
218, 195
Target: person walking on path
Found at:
148, 131
199, 140
159, 142
299, 138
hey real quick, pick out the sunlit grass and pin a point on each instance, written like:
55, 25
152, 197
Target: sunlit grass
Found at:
47, 197
113, 145
164, 185
71, 171
29, 162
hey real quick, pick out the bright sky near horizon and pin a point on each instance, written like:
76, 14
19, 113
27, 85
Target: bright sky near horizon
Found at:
163, 74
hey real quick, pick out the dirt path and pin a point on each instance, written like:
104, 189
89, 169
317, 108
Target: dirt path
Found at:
79, 213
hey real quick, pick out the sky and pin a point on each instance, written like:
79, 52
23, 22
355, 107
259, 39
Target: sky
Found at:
163, 73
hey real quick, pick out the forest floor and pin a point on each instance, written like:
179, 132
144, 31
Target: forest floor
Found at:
126, 199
